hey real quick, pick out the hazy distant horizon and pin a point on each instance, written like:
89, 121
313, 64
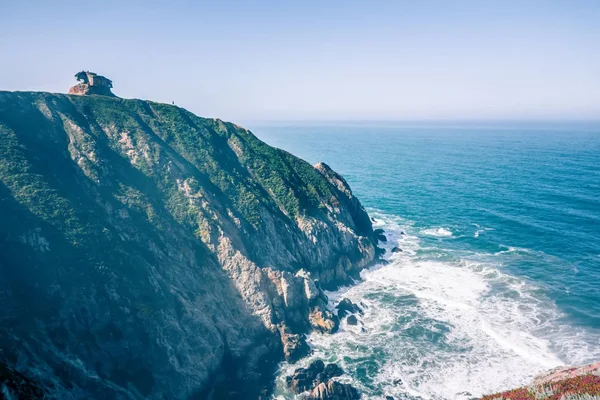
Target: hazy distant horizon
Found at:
337, 60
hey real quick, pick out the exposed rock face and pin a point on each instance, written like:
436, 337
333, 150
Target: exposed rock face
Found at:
346, 306
92, 83
334, 390
379, 235
561, 373
294, 344
149, 253
563, 383
317, 372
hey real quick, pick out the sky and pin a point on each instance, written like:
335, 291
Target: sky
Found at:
318, 60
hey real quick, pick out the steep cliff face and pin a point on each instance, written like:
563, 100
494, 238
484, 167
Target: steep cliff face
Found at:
149, 253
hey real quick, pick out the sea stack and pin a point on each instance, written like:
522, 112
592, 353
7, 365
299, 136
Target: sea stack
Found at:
92, 83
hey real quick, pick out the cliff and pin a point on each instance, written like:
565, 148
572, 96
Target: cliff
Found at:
146, 252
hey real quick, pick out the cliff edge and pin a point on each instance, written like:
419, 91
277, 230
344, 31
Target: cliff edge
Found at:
146, 252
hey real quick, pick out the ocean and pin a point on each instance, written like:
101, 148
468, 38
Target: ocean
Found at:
499, 274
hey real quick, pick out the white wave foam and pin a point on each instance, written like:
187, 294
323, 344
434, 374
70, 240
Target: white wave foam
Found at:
439, 328
480, 230
437, 232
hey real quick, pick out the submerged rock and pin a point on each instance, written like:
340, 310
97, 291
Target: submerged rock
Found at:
396, 250
334, 390
352, 320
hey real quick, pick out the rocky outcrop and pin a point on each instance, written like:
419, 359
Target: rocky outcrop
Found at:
564, 383
92, 84
304, 379
146, 252
379, 235
334, 390
294, 344
346, 306
562, 373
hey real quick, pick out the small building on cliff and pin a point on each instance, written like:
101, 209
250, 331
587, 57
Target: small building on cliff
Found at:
92, 83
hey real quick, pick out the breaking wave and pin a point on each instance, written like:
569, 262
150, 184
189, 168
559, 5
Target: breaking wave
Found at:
441, 325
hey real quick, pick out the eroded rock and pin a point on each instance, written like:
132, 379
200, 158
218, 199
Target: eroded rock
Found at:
317, 372
334, 390
323, 320
92, 83
379, 235
294, 345
346, 306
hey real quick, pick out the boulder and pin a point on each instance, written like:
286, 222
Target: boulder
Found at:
346, 306
331, 371
311, 291
334, 390
303, 379
396, 249
352, 320
317, 372
323, 320
379, 235
294, 345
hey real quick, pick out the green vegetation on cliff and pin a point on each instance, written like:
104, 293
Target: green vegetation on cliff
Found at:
148, 252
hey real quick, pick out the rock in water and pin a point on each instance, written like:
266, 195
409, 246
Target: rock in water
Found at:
331, 371
161, 250
304, 379
294, 345
347, 307
334, 390
323, 320
396, 250
379, 235
352, 320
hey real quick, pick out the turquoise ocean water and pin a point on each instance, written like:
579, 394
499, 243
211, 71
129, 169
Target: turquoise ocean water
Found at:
499, 277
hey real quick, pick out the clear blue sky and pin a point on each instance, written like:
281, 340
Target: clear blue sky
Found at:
315, 60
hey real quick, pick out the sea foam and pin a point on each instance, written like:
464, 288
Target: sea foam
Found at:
445, 327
